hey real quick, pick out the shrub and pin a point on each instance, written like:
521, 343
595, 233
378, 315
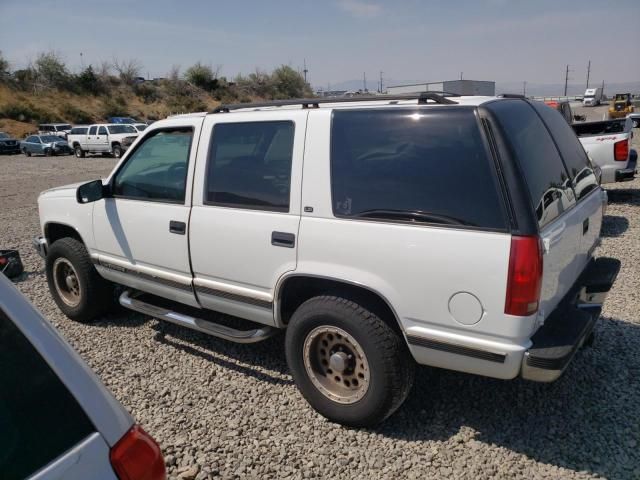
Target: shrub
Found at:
88, 82
114, 107
148, 93
202, 76
51, 72
76, 115
25, 112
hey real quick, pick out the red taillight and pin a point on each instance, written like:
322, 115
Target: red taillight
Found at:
137, 456
621, 150
525, 276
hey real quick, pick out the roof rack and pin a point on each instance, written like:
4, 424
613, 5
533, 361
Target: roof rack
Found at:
423, 98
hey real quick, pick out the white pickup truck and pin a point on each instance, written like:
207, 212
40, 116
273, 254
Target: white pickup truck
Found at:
380, 233
608, 143
102, 138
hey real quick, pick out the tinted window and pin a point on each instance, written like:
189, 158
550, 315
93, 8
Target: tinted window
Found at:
385, 163
157, 169
573, 154
92, 130
250, 165
46, 128
39, 418
121, 129
544, 172
102, 131
31, 140
79, 130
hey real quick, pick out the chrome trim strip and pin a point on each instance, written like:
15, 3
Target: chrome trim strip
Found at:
457, 349
233, 296
143, 275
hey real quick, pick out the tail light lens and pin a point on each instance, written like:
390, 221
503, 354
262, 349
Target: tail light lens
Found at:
525, 276
621, 150
137, 456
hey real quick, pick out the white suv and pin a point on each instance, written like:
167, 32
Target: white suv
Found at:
379, 232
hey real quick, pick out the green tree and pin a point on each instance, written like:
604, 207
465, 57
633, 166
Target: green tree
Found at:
51, 72
202, 76
88, 81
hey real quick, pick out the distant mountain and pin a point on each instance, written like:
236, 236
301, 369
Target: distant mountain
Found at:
537, 89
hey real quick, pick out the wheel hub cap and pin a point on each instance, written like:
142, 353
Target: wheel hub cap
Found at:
336, 364
65, 280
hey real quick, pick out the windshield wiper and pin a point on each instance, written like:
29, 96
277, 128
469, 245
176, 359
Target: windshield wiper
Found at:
412, 216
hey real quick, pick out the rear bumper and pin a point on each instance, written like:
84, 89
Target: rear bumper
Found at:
627, 174
570, 324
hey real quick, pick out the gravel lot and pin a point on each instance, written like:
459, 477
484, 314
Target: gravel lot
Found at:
226, 410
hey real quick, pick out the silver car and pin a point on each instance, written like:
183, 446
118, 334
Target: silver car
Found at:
45, 145
57, 420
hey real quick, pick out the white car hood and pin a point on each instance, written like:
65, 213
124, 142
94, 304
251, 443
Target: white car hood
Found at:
62, 191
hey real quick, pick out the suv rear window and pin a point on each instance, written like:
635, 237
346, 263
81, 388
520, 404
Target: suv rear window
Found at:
413, 165
573, 154
543, 170
39, 418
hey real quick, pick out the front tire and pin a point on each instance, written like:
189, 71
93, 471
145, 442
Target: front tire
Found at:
348, 363
75, 285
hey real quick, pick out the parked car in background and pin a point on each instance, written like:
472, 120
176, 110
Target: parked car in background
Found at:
8, 144
608, 143
373, 260
564, 107
57, 420
45, 145
59, 129
127, 120
592, 97
102, 138
140, 127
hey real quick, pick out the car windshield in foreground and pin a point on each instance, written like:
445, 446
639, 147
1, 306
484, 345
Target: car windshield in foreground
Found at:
50, 138
4, 135
121, 129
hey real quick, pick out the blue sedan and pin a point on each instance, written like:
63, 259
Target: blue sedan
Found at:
45, 145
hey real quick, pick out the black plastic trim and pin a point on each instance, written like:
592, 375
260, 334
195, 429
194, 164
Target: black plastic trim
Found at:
145, 276
457, 349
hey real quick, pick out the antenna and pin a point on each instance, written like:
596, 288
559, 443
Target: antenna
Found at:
305, 70
588, 72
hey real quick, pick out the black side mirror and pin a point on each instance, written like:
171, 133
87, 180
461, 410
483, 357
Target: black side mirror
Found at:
90, 192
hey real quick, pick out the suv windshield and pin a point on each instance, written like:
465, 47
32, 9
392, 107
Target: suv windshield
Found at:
413, 165
39, 418
121, 129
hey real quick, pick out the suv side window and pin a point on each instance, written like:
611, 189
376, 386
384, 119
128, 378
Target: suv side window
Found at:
92, 130
157, 169
571, 150
249, 165
390, 164
543, 170
78, 130
102, 131
30, 139
39, 418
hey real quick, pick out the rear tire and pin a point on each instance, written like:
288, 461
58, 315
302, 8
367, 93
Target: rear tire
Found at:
348, 364
75, 285
116, 151
78, 151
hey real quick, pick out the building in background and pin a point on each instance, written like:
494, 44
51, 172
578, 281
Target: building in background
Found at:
461, 87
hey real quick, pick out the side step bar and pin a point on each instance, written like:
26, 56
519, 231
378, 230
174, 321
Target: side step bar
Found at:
128, 300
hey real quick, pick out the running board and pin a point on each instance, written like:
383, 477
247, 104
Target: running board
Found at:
128, 300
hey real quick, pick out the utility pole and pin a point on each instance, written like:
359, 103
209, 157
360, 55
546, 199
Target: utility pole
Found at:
364, 81
461, 75
81, 61
566, 80
305, 70
588, 72
524, 88
380, 91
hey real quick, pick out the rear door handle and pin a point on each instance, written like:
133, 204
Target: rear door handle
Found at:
283, 239
177, 227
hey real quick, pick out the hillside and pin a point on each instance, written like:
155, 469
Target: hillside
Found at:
47, 92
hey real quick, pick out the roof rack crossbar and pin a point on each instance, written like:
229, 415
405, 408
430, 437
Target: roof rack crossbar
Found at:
423, 98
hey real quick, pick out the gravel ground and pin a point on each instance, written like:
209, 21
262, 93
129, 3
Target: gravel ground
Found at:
224, 410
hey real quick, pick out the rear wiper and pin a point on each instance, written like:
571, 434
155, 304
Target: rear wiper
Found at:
412, 215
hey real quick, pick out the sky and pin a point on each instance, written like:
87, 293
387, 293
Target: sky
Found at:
421, 40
